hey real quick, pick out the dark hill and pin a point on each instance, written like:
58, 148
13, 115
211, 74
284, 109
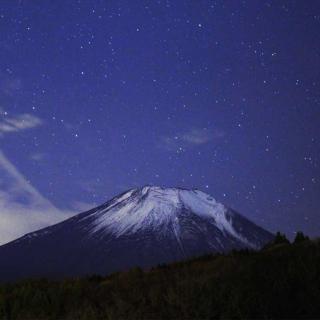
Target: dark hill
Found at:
282, 281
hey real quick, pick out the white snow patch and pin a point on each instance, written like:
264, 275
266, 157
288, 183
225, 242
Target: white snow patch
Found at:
152, 207
204, 205
159, 208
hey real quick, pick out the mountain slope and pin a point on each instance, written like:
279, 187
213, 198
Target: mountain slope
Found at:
141, 227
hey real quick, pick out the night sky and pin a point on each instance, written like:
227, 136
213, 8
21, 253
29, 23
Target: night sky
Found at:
97, 97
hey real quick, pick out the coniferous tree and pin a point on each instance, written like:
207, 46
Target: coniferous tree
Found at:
300, 237
280, 238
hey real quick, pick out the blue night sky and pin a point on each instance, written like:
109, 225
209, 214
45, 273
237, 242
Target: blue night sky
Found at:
97, 97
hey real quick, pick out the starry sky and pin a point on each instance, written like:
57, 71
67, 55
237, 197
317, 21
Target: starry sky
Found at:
100, 96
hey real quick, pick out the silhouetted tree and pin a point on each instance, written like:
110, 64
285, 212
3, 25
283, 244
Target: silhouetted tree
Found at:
300, 237
280, 239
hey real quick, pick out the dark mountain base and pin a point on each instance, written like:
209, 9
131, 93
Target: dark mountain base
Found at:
282, 281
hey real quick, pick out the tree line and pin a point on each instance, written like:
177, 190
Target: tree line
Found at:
280, 281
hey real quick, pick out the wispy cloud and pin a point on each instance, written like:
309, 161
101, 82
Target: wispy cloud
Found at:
22, 207
37, 156
16, 123
193, 137
197, 136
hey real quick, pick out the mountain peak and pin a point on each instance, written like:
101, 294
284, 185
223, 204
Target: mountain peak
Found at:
160, 189
157, 208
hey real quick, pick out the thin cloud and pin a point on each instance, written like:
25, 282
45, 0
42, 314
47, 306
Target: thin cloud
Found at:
37, 156
196, 137
10, 124
191, 138
22, 208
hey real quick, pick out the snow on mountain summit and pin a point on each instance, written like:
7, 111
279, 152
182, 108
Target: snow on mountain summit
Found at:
159, 208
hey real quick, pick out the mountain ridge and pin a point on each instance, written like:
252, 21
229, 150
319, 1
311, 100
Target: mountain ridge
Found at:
140, 227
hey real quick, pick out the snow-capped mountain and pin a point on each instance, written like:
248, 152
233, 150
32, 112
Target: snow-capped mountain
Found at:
141, 227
